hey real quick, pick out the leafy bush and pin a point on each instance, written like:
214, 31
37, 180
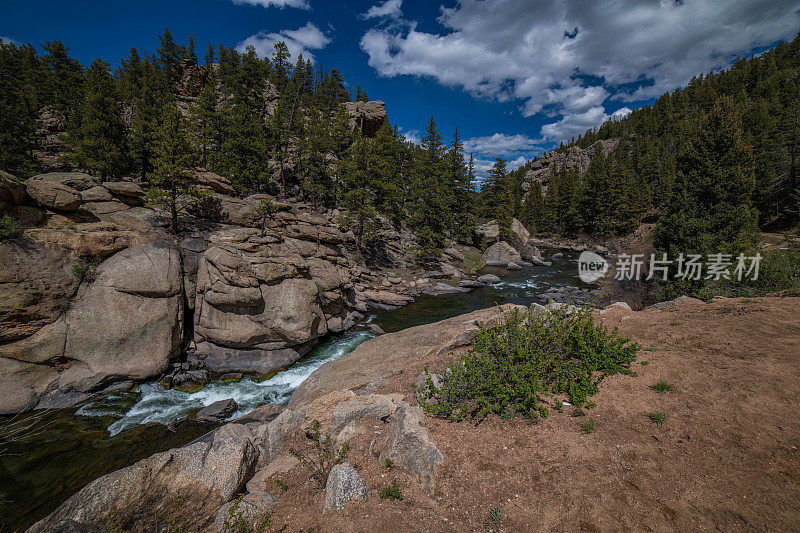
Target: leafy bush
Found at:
662, 386
529, 358
9, 229
779, 271
324, 456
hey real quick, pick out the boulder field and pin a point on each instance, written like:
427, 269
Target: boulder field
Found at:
97, 291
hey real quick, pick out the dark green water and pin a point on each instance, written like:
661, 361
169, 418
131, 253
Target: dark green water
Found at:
69, 448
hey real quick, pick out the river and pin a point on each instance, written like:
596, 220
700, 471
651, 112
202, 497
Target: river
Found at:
68, 448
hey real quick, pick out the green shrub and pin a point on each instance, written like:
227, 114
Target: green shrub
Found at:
588, 427
526, 360
324, 456
9, 229
392, 492
495, 519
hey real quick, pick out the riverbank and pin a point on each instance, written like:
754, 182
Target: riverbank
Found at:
701, 437
102, 434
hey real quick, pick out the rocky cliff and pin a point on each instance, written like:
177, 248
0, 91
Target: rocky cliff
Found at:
97, 291
544, 167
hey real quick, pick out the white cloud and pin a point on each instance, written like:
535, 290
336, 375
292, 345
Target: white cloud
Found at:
299, 41
413, 136
566, 59
574, 124
389, 8
502, 145
8, 40
515, 149
300, 4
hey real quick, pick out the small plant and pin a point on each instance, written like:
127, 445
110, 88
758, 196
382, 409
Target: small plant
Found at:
324, 457
657, 418
9, 229
389, 464
236, 523
527, 361
281, 485
85, 270
588, 427
676, 323
662, 386
113, 522
266, 208
392, 492
644, 363
171, 519
495, 519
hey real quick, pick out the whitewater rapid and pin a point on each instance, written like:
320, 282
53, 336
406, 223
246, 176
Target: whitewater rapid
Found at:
159, 404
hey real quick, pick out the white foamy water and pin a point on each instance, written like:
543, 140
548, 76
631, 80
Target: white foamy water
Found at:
158, 404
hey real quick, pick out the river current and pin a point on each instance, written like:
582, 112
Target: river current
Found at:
71, 447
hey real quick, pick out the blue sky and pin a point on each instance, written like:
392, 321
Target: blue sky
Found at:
515, 76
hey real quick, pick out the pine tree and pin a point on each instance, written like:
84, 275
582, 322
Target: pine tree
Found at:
431, 217
169, 56
172, 163
97, 140
711, 206
18, 103
361, 216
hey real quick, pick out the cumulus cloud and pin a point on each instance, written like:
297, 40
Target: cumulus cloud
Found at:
299, 41
300, 4
389, 8
413, 136
567, 59
515, 149
502, 145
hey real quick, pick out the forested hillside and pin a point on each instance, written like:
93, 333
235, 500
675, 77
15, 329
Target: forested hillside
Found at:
759, 104
268, 125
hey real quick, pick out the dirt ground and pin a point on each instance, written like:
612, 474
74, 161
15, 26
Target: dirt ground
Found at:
725, 459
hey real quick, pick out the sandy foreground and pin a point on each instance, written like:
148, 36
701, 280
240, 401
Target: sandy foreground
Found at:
725, 459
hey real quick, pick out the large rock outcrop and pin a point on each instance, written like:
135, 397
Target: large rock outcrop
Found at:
202, 476
127, 322
366, 117
262, 302
544, 167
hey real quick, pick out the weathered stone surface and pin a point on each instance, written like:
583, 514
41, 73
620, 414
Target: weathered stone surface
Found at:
98, 193
217, 411
12, 191
74, 180
94, 240
127, 322
53, 195
543, 168
409, 446
251, 510
344, 485
513, 266
99, 209
489, 279
256, 360
366, 117
215, 182
500, 254
261, 480
272, 436
371, 405
206, 473
385, 299
36, 285
127, 191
